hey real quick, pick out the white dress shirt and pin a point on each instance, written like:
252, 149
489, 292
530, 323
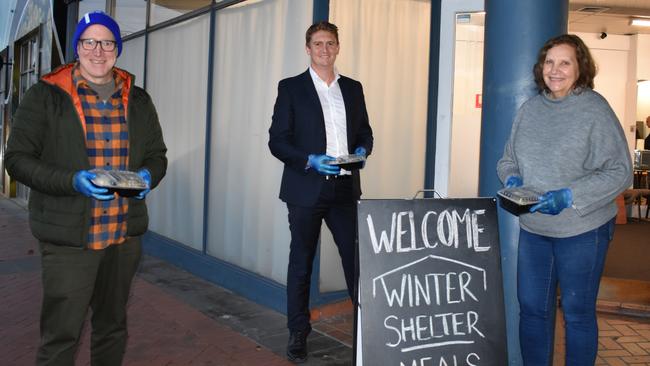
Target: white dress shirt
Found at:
331, 100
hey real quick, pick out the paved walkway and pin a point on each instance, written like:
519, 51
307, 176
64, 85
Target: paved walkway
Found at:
175, 318
162, 329
178, 319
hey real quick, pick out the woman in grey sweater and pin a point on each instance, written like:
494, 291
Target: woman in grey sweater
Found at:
566, 141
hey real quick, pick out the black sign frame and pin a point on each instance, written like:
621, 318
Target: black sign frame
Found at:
430, 287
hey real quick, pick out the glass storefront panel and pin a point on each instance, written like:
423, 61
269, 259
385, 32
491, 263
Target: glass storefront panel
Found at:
131, 15
257, 43
162, 10
29, 58
4, 91
177, 64
87, 6
2, 146
4, 75
387, 38
28, 64
132, 59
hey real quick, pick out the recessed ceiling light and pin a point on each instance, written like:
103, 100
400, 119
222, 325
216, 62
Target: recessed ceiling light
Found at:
641, 22
593, 9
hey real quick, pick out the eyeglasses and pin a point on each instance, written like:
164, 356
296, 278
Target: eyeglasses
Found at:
90, 44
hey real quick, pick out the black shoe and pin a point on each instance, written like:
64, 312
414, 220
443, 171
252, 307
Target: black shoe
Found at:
297, 347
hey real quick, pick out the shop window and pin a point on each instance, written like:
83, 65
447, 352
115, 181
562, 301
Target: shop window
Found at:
162, 10
131, 15
4, 75
4, 89
86, 6
29, 57
28, 67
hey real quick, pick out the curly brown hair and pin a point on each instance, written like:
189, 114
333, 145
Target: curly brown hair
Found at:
586, 64
321, 26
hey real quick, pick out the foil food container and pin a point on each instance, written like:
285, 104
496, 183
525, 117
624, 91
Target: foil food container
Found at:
123, 182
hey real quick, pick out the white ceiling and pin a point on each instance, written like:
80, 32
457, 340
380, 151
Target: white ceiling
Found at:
610, 16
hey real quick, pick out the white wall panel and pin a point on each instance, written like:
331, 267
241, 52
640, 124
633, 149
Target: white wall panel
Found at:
176, 79
643, 73
614, 80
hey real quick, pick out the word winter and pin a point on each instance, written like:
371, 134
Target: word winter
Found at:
430, 288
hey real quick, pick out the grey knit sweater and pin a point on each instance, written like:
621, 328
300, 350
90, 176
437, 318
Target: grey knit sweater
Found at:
575, 142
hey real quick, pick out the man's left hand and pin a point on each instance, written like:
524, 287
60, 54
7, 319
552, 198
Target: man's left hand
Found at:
361, 151
146, 176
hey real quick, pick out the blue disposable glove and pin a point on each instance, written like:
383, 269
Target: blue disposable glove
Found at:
553, 202
362, 152
317, 162
514, 181
82, 184
146, 176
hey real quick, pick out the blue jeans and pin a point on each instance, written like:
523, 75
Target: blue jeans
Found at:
577, 264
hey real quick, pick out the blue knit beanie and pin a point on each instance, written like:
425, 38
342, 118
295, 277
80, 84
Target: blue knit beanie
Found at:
97, 17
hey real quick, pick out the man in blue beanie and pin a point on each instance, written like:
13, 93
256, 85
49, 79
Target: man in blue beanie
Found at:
101, 18
83, 117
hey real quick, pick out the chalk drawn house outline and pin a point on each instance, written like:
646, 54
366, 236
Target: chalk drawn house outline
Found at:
374, 280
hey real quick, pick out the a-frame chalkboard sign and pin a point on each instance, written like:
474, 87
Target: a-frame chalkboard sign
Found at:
430, 285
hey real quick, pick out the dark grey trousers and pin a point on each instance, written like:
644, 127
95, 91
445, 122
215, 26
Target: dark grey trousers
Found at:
76, 279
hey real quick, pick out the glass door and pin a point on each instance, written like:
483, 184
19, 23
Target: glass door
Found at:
459, 98
467, 103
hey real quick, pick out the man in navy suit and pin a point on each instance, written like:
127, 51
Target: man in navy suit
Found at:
318, 115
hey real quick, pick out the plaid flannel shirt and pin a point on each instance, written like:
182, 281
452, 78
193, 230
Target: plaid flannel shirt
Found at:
107, 145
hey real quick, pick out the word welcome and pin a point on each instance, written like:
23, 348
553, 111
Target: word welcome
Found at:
449, 226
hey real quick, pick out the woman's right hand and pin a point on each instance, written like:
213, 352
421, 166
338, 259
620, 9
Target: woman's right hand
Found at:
514, 181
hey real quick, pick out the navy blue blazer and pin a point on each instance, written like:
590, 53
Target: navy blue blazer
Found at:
298, 130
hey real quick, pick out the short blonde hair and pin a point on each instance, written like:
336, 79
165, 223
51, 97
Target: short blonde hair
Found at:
321, 26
